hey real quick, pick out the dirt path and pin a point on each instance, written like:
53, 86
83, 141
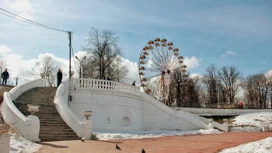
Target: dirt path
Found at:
211, 143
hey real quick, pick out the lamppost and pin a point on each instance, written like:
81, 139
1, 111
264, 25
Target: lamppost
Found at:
81, 66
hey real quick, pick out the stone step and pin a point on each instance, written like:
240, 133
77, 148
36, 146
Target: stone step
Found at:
56, 133
42, 115
43, 119
58, 138
59, 127
52, 126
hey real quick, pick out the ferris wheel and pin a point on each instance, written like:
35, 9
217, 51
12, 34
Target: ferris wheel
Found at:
158, 61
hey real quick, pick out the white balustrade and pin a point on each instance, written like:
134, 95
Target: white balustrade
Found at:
82, 83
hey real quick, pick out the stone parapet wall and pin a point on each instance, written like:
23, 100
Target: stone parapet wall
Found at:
121, 107
220, 112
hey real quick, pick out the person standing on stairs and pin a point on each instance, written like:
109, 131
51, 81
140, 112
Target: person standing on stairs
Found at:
5, 76
59, 76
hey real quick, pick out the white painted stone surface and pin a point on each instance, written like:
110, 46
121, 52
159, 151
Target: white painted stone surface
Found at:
61, 101
14, 118
110, 110
115, 107
125, 110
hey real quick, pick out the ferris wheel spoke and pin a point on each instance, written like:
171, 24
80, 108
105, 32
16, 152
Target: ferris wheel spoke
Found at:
153, 76
167, 55
164, 54
160, 55
155, 61
173, 63
152, 70
158, 60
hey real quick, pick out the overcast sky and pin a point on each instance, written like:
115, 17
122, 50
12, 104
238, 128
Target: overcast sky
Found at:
206, 32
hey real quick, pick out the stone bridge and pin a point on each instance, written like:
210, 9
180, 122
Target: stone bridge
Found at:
220, 112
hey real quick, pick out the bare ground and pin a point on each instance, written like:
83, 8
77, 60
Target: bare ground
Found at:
211, 143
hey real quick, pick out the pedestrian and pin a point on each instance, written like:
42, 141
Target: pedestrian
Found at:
133, 83
241, 105
108, 78
5, 76
59, 75
108, 83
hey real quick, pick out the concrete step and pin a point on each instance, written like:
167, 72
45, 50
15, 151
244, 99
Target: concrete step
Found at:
58, 138
52, 126
50, 132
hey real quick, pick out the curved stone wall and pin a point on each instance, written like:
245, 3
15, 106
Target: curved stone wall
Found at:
121, 110
27, 126
111, 110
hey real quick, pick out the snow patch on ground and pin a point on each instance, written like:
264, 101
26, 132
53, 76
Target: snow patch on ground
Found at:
262, 146
151, 134
18, 144
246, 122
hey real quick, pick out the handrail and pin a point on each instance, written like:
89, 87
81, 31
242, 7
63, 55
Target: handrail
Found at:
61, 102
83, 83
20, 89
27, 126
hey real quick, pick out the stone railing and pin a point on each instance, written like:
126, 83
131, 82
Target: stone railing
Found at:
103, 85
27, 126
81, 128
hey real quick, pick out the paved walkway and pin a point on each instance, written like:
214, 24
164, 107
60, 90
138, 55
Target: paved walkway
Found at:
211, 143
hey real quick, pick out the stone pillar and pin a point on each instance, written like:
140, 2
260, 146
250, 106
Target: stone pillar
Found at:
87, 125
33, 124
225, 125
87, 129
33, 128
210, 125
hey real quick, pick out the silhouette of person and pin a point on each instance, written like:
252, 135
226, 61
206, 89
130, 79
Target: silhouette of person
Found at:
109, 79
59, 75
5, 76
133, 83
240, 105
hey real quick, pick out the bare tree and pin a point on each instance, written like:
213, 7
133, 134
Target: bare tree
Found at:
193, 92
210, 80
90, 69
48, 70
104, 49
178, 83
257, 87
229, 78
117, 71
